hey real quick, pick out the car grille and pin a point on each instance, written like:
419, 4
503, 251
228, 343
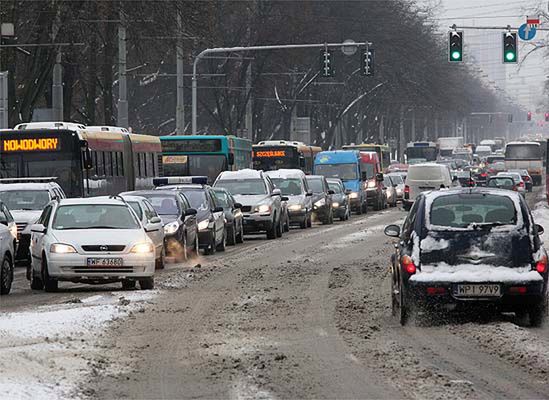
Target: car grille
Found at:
102, 270
246, 209
102, 247
21, 226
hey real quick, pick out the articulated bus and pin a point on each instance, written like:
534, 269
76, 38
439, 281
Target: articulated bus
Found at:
205, 155
85, 161
383, 151
271, 155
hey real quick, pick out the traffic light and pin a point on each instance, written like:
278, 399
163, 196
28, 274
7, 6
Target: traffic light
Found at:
455, 46
529, 116
326, 65
547, 117
367, 62
510, 48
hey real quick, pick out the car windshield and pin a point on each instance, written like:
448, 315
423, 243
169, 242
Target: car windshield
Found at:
425, 172
25, 199
163, 204
499, 182
288, 187
94, 216
316, 185
222, 198
397, 179
465, 209
335, 186
197, 198
136, 207
243, 187
342, 171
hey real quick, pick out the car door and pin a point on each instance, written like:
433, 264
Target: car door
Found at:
6, 240
237, 214
189, 221
156, 235
276, 200
37, 238
219, 217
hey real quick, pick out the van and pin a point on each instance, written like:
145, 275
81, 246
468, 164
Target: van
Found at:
423, 178
370, 167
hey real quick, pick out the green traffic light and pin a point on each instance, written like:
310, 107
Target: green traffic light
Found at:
456, 55
510, 56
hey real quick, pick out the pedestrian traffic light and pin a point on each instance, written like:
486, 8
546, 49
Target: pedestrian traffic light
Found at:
455, 46
529, 116
367, 62
326, 65
510, 48
547, 117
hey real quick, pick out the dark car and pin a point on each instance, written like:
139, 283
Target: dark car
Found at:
467, 248
210, 217
178, 219
465, 178
340, 199
233, 215
322, 198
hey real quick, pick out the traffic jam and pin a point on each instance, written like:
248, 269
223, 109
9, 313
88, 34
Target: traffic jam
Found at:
108, 210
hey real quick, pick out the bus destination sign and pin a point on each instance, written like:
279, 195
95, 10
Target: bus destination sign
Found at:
269, 153
29, 144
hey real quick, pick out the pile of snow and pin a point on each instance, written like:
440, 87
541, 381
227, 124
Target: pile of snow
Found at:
443, 272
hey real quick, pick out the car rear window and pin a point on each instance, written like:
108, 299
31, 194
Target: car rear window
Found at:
425, 173
465, 209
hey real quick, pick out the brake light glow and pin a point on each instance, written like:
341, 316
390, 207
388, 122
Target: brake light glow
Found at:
541, 265
433, 291
484, 174
521, 184
518, 289
408, 264
406, 192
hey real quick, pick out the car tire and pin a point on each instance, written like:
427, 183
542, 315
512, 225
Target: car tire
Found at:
310, 221
223, 245
50, 284
271, 231
231, 235
196, 250
211, 247
161, 262
240, 237
6, 275
303, 224
128, 284
537, 315
146, 283
403, 308
279, 228
287, 223
36, 283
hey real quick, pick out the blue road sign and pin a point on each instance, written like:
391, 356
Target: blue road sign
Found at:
527, 32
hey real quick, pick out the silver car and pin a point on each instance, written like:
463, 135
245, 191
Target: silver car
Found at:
91, 240
8, 238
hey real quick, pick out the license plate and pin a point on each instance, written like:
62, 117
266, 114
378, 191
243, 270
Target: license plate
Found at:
105, 262
483, 290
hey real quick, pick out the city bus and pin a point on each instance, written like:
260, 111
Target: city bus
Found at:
271, 155
421, 152
383, 151
84, 161
525, 155
204, 155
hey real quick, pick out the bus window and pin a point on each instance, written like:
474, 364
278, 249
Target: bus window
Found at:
149, 158
100, 164
108, 163
120, 164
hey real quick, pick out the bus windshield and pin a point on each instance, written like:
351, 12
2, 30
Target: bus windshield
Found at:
523, 151
209, 165
345, 172
428, 153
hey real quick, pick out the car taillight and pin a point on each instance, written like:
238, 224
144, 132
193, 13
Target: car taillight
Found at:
526, 178
406, 192
433, 291
541, 265
521, 184
518, 289
408, 265
484, 174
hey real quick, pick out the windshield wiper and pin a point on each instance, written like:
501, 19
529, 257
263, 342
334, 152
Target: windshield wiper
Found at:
480, 225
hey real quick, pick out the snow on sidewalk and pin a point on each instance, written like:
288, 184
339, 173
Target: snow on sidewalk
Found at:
45, 352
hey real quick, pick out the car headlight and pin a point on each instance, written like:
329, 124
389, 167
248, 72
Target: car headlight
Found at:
399, 192
171, 228
13, 231
61, 248
335, 204
320, 202
263, 209
353, 195
295, 207
203, 225
142, 248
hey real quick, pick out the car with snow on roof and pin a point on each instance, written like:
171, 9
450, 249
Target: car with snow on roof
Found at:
469, 247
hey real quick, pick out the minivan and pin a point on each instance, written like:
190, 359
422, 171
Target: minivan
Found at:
425, 177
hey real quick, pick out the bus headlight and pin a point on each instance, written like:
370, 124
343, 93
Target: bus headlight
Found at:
171, 228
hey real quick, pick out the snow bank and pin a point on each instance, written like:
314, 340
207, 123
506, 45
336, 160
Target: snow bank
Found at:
443, 272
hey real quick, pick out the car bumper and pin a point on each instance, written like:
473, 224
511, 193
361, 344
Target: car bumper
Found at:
509, 299
372, 196
204, 238
340, 211
73, 266
356, 204
297, 217
257, 222
321, 212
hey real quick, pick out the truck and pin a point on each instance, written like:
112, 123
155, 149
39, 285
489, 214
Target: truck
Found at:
446, 145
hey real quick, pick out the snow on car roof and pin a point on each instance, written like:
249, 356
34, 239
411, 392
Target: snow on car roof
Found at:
92, 200
26, 186
427, 164
241, 174
286, 173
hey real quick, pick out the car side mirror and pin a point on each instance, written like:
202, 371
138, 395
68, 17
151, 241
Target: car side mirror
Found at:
331, 191
309, 194
276, 192
218, 209
38, 228
284, 198
190, 211
392, 230
152, 227
155, 220
379, 177
237, 205
539, 229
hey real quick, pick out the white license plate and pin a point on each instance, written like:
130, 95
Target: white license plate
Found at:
105, 262
482, 290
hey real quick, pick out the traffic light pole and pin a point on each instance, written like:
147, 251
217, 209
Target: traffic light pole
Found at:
246, 49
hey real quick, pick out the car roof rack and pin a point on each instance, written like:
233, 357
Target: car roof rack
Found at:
45, 179
180, 180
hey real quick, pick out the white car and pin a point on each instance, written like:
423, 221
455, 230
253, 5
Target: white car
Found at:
517, 178
149, 217
8, 240
423, 178
91, 240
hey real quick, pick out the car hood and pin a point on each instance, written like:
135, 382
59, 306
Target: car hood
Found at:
100, 236
339, 197
297, 199
317, 196
26, 216
166, 219
481, 247
251, 200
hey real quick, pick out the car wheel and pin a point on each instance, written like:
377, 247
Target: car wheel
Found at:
271, 231
279, 228
310, 221
211, 247
403, 307
6, 275
128, 284
36, 282
231, 235
537, 315
240, 237
161, 262
303, 224
221, 246
146, 283
287, 223
196, 250
50, 284
365, 207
